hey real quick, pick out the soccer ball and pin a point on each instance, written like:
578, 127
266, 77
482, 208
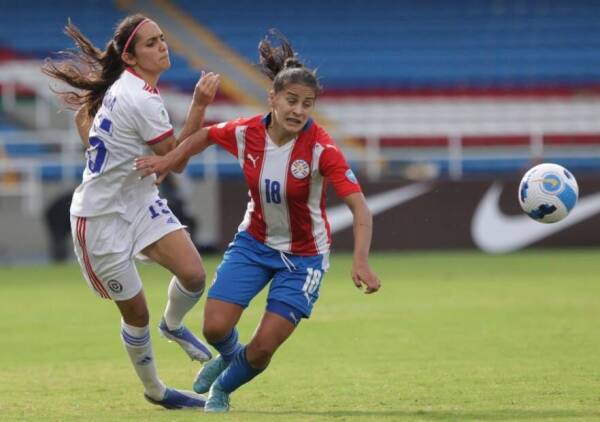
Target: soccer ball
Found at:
548, 192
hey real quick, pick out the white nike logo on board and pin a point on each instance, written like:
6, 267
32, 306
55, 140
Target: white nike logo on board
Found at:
495, 232
340, 217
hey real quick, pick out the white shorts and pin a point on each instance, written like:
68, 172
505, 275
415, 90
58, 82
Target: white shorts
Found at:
106, 246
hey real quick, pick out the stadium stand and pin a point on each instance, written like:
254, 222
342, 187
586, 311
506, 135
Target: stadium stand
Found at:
43, 33
475, 88
413, 90
404, 45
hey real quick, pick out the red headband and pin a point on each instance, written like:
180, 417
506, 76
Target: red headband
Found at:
139, 25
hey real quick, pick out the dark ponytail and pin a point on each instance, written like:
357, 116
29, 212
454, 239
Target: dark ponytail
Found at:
282, 66
89, 70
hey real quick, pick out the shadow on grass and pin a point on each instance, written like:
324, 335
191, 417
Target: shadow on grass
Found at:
490, 415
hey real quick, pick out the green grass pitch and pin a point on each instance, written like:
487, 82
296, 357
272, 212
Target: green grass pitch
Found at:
450, 336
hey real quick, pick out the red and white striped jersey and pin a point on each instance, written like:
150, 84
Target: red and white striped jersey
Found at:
287, 184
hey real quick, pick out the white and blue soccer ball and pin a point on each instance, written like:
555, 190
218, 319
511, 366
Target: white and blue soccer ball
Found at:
548, 192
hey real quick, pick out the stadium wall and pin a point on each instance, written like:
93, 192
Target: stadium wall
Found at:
408, 216
26, 239
445, 215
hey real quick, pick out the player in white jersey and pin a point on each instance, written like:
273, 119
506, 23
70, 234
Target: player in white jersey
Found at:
287, 161
115, 215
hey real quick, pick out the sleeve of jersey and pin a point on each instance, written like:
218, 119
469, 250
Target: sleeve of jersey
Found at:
152, 120
336, 170
224, 134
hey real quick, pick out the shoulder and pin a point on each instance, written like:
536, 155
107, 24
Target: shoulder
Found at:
138, 91
257, 121
323, 139
253, 121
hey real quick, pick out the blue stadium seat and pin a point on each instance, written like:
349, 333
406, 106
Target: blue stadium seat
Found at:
426, 43
356, 44
43, 33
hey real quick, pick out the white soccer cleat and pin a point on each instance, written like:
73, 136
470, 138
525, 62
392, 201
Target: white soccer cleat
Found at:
191, 344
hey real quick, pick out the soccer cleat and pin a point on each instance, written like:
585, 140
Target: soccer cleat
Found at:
218, 400
179, 399
208, 374
194, 348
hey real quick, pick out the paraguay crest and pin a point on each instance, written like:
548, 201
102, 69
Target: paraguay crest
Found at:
300, 169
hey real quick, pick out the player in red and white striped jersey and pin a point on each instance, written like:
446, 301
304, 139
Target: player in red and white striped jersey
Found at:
287, 183
287, 161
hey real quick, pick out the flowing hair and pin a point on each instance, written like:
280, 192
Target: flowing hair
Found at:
282, 65
89, 70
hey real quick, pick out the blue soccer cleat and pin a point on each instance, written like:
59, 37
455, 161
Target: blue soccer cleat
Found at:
218, 400
194, 348
179, 399
208, 374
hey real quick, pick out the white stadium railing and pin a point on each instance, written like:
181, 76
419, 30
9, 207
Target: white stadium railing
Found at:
362, 122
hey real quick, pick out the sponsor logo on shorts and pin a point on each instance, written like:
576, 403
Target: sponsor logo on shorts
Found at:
115, 286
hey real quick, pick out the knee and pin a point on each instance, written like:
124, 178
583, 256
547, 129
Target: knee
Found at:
137, 316
193, 279
259, 353
215, 329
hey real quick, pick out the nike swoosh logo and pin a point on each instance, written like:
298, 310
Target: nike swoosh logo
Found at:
340, 217
495, 232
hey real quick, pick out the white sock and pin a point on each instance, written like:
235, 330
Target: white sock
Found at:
180, 302
138, 346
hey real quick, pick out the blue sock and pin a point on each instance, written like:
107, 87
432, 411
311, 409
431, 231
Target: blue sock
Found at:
238, 373
228, 346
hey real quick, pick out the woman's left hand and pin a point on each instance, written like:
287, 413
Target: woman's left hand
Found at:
148, 164
362, 275
206, 89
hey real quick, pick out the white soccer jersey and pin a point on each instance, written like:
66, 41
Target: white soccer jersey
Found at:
131, 118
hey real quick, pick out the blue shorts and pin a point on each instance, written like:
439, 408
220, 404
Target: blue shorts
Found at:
248, 265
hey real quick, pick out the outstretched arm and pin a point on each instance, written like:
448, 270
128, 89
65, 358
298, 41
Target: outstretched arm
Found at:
176, 159
204, 94
363, 229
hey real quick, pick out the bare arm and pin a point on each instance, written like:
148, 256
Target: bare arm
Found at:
363, 231
204, 94
175, 159
83, 123
169, 159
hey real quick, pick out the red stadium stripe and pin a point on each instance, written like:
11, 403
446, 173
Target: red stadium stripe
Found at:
574, 139
81, 223
472, 92
496, 141
470, 141
408, 142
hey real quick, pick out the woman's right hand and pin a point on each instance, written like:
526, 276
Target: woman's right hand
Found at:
149, 164
206, 89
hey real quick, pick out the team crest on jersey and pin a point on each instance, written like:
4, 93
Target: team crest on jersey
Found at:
351, 177
300, 169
